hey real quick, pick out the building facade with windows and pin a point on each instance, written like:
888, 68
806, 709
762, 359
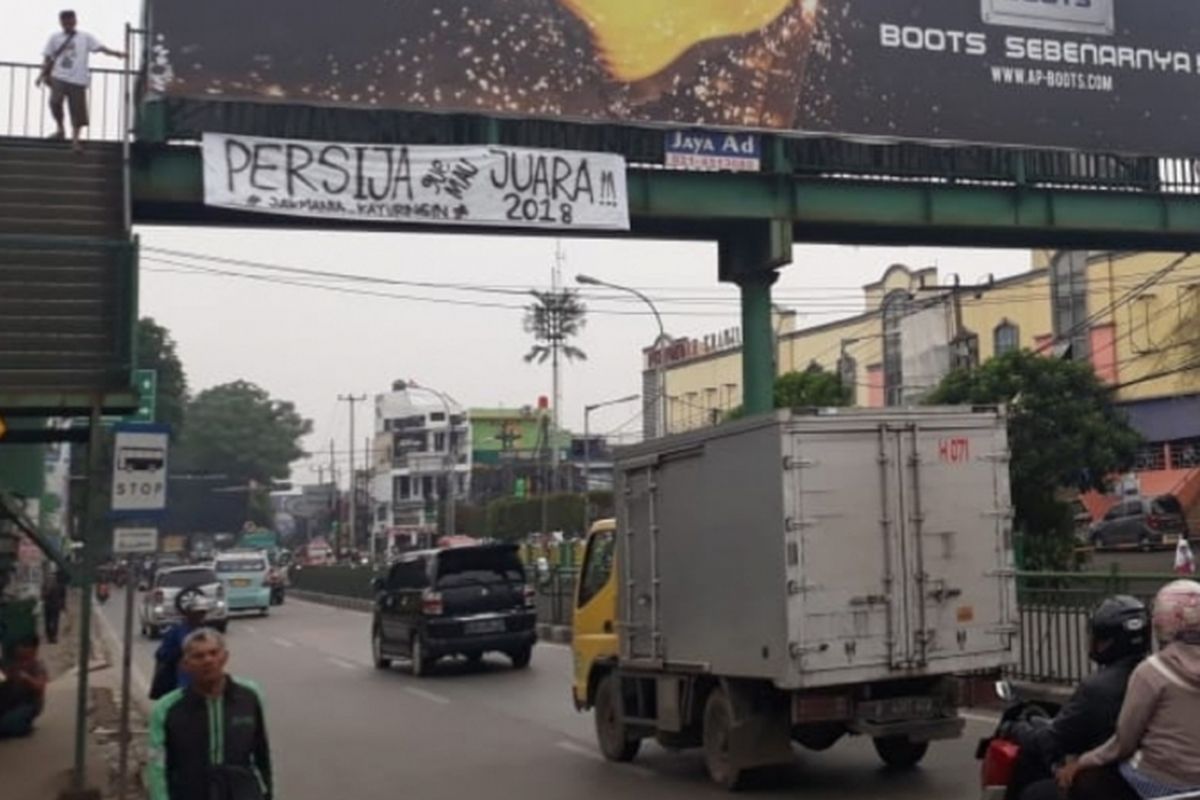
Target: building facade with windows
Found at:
421, 450
1134, 316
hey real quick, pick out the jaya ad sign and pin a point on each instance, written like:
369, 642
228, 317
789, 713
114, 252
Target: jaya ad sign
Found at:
1118, 76
486, 185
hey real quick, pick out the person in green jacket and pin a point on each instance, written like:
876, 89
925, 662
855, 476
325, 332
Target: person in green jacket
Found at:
208, 741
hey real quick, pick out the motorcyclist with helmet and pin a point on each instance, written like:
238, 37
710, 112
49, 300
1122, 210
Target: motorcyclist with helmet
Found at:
1155, 749
1119, 633
194, 606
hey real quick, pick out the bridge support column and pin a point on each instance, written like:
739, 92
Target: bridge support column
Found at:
749, 255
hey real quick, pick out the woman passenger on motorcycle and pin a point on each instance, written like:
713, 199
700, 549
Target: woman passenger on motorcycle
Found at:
1155, 751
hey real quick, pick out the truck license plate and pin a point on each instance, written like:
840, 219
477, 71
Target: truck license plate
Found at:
485, 626
896, 709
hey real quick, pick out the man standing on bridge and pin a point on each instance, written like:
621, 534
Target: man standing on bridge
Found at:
65, 70
209, 741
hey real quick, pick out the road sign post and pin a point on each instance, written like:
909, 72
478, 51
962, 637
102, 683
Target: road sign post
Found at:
129, 542
139, 491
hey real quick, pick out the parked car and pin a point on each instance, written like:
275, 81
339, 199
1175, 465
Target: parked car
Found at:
1143, 522
159, 609
457, 601
245, 574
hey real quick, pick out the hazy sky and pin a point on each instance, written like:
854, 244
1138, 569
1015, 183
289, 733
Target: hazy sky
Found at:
308, 345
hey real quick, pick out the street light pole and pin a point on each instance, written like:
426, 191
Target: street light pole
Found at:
660, 374
587, 454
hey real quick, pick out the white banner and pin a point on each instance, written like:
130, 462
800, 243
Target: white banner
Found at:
474, 185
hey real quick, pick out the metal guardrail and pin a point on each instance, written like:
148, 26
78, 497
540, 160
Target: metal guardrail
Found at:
24, 112
1054, 609
25, 106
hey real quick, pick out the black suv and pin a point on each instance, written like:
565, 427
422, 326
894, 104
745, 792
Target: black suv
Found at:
457, 601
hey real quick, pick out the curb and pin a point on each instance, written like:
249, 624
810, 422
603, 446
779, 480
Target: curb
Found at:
559, 634
111, 641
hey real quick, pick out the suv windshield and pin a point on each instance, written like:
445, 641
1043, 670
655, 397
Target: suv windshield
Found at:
241, 565
178, 579
479, 565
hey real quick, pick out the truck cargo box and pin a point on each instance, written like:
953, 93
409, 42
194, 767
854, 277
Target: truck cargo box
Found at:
820, 548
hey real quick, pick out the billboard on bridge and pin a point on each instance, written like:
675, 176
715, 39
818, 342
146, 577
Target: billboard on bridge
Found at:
1109, 75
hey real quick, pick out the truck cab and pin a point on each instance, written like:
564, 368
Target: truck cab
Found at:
594, 635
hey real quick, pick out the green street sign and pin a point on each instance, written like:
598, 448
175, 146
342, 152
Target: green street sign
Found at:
146, 383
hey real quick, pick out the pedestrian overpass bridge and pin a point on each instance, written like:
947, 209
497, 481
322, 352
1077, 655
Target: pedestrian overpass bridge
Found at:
68, 253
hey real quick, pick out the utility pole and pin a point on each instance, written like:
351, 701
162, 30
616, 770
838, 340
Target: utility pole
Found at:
335, 517
352, 399
368, 474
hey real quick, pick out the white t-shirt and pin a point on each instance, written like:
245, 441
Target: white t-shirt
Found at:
71, 66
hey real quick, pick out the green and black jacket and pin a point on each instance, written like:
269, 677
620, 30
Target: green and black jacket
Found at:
196, 741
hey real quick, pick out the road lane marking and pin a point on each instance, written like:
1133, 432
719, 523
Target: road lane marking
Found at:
430, 696
589, 752
282, 642
250, 629
337, 662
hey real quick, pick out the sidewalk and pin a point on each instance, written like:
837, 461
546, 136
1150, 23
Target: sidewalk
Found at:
39, 767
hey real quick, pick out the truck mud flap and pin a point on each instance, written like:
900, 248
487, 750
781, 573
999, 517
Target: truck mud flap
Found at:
761, 733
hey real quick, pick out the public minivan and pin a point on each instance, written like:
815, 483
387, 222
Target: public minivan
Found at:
245, 575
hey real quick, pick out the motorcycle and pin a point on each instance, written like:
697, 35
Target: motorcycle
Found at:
998, 755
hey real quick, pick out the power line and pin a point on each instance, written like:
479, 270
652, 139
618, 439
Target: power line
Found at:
412, 298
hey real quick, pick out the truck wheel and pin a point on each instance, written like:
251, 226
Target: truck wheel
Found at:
521, 658
718, 727
615, 742
900, 752
381, 662
422, 664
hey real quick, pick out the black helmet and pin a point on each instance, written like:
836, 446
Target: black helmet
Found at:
1123, 622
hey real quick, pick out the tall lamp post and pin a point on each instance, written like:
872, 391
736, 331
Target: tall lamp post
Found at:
660, 375
451, 460
587, 454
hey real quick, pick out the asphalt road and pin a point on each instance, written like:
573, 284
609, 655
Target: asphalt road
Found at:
341, 729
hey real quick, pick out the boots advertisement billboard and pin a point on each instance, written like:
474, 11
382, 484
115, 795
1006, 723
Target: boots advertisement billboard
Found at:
1106, 75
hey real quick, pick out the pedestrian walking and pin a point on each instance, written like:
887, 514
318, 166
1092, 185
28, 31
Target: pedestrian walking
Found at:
1185, 560
66, 71
208, 741
54, 600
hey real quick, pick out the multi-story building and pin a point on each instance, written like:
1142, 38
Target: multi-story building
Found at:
513, 450
422, 454
1133, 316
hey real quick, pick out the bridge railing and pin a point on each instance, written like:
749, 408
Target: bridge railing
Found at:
25, 106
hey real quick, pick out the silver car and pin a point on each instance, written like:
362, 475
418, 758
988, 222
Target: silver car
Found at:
159, 609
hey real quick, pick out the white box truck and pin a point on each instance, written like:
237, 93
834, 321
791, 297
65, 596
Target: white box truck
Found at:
798, 576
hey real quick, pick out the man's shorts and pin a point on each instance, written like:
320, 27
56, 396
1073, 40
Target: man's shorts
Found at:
76, 97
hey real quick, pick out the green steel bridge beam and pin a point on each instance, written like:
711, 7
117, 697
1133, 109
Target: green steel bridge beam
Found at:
168, 188
756, 217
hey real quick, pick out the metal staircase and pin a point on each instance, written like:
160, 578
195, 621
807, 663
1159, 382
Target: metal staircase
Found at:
67, 271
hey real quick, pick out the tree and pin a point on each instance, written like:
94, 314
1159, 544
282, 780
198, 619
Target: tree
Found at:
554, 318
1064, 432
815, 387
156, 351
237, 429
